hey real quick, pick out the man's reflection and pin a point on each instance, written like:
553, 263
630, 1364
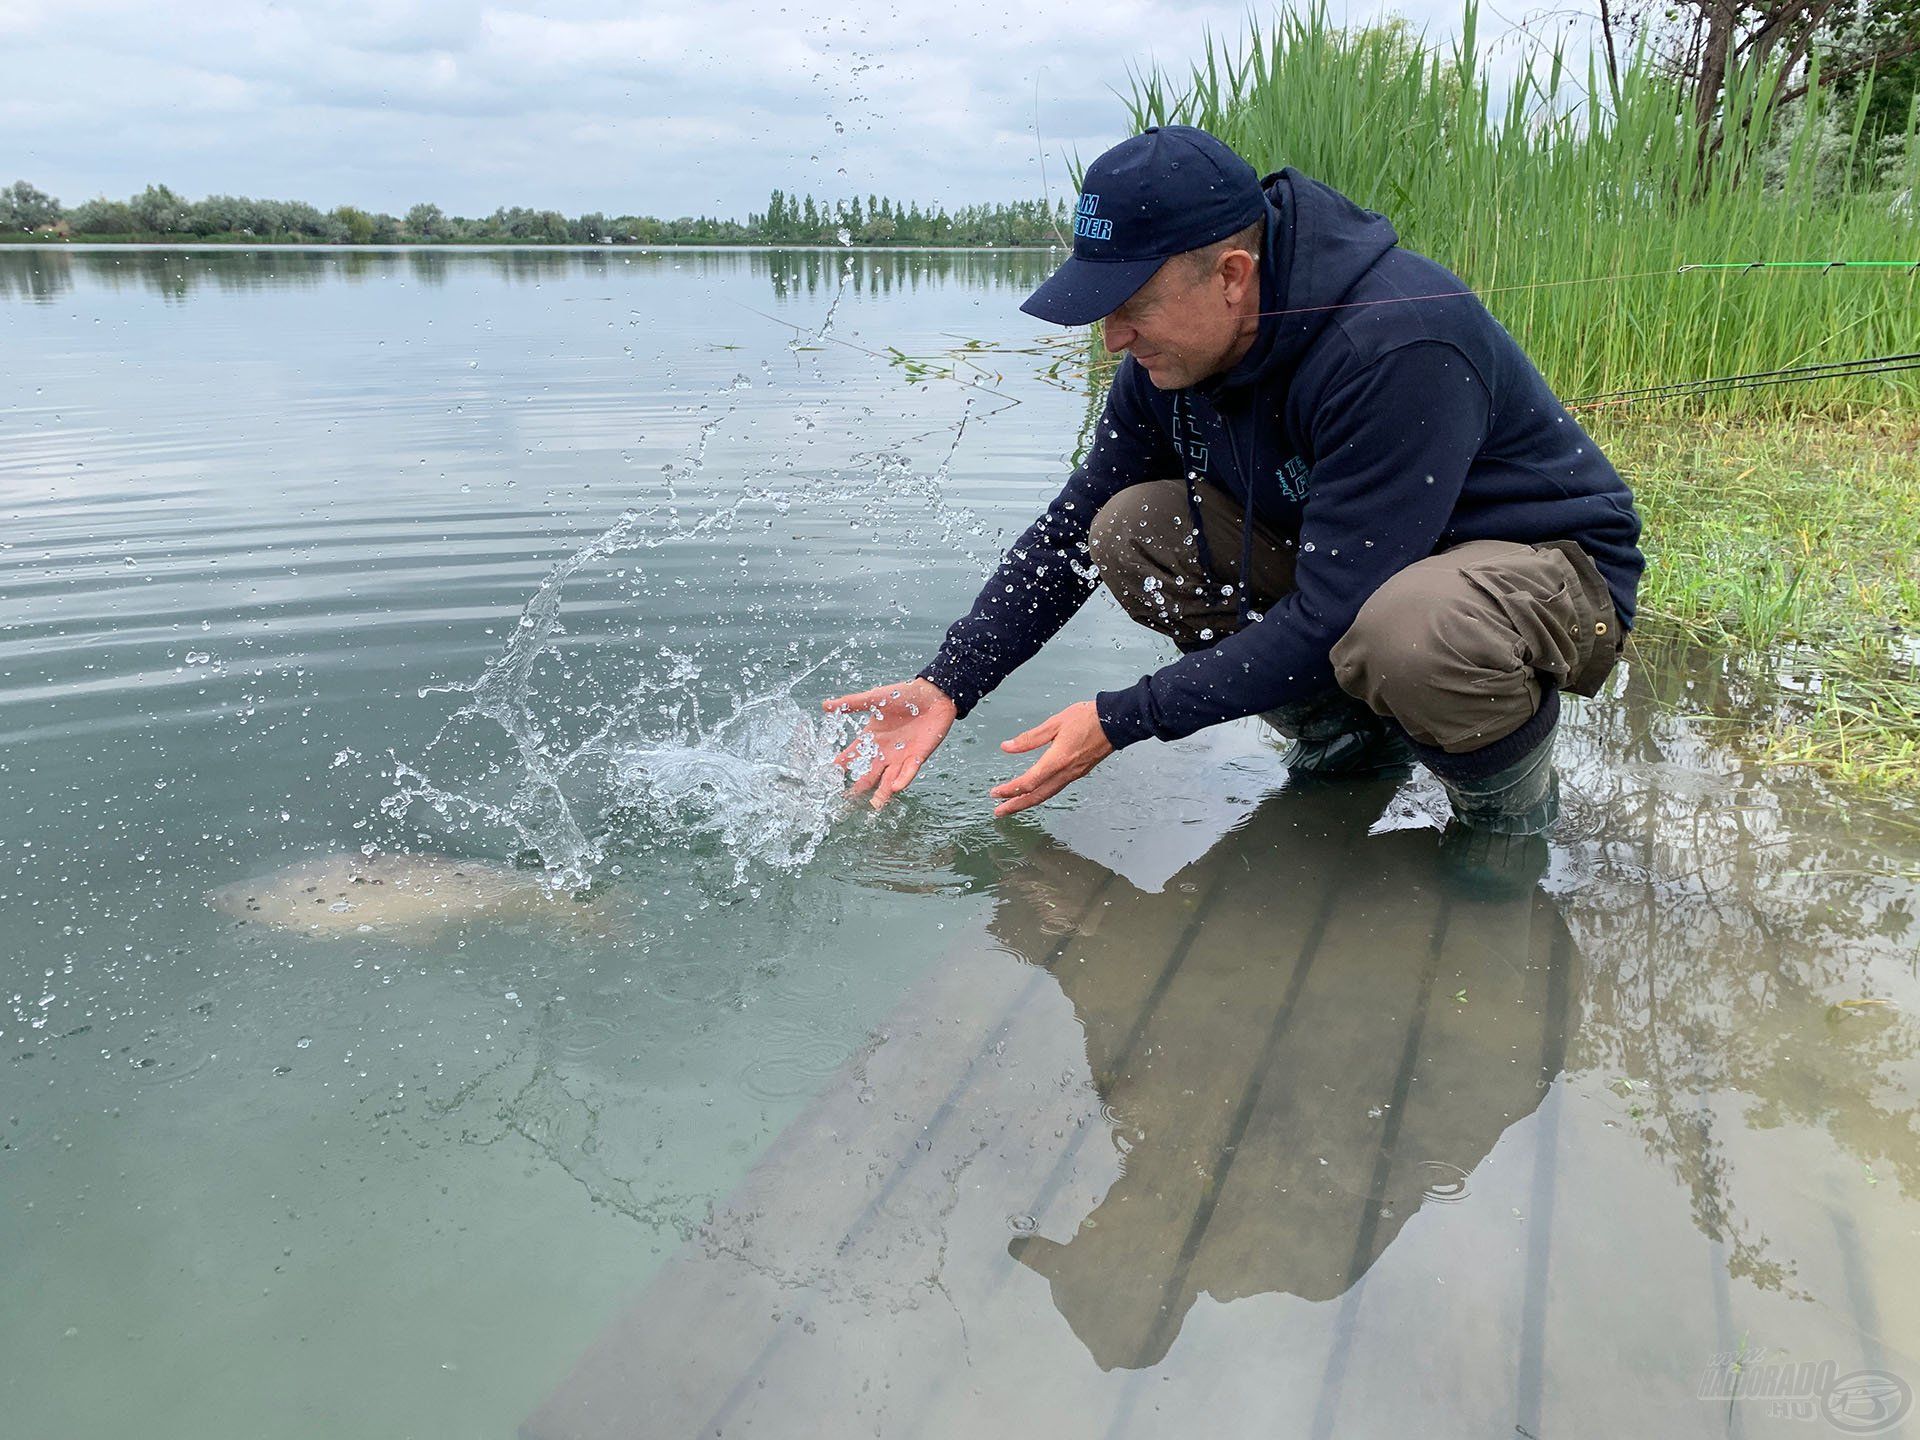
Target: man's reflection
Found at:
1301, 1041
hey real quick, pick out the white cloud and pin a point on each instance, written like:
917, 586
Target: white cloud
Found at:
666, 108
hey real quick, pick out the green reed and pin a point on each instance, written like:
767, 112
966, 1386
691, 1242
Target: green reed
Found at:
1572, 216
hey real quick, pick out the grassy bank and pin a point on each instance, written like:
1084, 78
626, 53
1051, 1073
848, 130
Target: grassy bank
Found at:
1790, 543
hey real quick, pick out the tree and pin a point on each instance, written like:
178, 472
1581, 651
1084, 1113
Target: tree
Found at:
25, 207
217, 215
1886, 36
1702, 42
302, 221
158, 211
102, 216
357, 224
426, 222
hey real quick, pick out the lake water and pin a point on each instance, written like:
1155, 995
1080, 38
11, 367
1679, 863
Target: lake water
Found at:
1185, 1104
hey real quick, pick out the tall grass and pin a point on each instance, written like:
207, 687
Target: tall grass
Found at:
1543, 195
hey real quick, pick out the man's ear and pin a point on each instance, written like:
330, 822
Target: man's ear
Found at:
1237, 272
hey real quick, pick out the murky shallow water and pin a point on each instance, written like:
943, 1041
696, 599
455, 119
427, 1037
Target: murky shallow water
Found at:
1191, 1104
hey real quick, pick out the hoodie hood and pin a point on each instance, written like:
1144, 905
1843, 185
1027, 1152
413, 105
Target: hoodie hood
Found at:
1319, 244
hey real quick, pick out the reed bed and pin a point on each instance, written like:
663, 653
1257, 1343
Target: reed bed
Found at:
1573, 217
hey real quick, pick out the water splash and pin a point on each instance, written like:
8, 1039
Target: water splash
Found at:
652, 768
761, 784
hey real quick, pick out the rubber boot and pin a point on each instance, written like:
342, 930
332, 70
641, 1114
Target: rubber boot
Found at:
1495, 846
1335, 737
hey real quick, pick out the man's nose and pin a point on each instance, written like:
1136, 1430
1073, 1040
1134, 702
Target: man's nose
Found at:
1116, 334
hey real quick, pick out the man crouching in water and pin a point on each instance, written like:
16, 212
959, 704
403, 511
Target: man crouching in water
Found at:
1332, 479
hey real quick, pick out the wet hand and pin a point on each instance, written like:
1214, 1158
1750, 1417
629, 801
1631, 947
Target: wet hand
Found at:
910, 719
1075, 744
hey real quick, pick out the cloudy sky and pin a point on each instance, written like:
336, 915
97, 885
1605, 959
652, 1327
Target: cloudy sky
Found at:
696, 106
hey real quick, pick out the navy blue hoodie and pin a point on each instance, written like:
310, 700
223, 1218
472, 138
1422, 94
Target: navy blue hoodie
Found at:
1375, 423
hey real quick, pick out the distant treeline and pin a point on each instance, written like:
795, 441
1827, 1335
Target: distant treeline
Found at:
157, 213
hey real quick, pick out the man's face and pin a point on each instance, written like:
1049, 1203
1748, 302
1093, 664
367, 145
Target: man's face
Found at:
1186, 324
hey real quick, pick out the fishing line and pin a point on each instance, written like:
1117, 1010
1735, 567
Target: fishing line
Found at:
1743, 267
1831, 370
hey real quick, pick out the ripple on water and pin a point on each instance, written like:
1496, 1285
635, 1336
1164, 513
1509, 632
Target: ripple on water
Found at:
1441, 1181
155, 1071
581, 1036
793, 1060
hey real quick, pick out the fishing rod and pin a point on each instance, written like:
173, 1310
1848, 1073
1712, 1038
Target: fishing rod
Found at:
1743, 266
1753, 379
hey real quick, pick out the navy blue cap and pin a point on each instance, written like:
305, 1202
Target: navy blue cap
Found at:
1171, 189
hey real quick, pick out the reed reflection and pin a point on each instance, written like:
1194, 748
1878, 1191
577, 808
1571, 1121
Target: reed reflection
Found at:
1757, 937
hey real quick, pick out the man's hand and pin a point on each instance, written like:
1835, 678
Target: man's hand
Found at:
1075, 744
911, 718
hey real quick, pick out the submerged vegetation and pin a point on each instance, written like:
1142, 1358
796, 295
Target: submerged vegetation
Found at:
1783, 520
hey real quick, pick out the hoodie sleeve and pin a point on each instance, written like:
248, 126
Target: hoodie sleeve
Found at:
1046, 575
1393, 444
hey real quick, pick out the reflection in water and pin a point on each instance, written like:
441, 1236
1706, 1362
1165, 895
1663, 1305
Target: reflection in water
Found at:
1299, 1043
43, 274
1366, 1120
1758, 937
